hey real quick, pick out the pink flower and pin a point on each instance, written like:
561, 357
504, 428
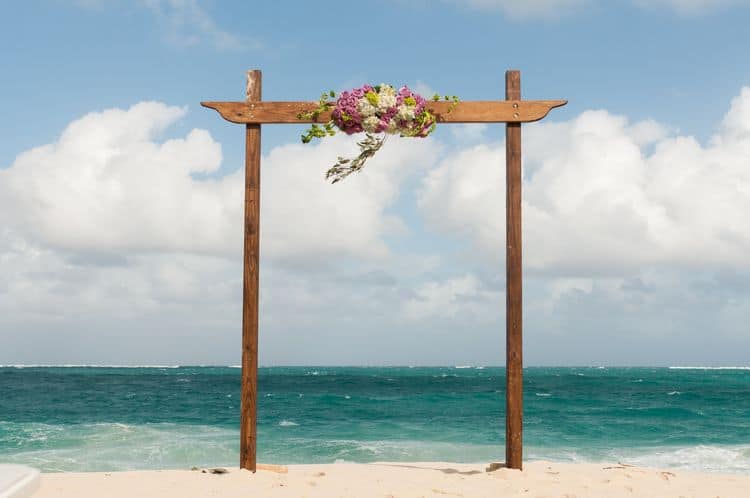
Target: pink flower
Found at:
382, 126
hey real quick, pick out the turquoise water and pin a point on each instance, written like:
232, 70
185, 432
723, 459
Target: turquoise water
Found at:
111, 418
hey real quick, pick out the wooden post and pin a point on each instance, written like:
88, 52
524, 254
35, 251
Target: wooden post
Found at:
513, 270
249, 389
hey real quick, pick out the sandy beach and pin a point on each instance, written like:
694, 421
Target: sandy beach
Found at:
383, 480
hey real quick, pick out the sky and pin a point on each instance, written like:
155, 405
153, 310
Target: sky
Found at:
121, 197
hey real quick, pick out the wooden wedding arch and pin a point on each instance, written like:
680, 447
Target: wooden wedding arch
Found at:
512, 111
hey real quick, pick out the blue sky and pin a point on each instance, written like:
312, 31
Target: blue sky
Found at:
121, 196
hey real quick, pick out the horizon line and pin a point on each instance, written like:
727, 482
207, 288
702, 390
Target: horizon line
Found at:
459, 367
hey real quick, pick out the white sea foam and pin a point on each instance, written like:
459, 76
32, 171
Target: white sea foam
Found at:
672, 393
287, 423
543, 395
357, 450
734, 459
701, 458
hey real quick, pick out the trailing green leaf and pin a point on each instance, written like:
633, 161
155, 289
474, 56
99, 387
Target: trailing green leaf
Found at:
345, 167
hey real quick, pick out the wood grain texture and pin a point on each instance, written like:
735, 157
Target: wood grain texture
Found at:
513, 304
250, 281
478, 111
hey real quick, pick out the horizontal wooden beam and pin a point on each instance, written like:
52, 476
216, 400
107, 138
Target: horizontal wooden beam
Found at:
476, 111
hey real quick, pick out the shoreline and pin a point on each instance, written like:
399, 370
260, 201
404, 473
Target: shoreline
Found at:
401, 479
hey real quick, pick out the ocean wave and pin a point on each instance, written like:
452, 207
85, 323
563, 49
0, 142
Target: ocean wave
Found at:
117, 446
87, 366
120, 446
709, 368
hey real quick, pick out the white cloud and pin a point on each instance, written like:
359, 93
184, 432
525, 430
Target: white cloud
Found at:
112, 219
603, 196
690, 7
187, 24
424, 89
529, 8
469, 133
307, 220
91, 4
106, 186
445, 299
41, 285
552, 9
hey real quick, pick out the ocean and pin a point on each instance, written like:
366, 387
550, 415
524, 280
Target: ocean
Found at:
82, 418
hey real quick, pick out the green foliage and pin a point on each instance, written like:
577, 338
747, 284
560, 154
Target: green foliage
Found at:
372, 98
421, 121
448, 98
316, 130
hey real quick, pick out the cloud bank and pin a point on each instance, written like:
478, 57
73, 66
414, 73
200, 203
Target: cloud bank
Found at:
691, 7
115, 236
604, 196
553, 9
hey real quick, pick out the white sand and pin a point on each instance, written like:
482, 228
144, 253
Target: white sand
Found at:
382, 480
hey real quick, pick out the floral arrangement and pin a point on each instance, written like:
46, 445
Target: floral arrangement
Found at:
378, 111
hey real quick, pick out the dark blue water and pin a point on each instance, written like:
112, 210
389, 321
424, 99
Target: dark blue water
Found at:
101, 418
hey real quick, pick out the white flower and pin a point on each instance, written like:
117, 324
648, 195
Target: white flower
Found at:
405, 112
386, 102
370, 123
392, 126
365, 108
386, 90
